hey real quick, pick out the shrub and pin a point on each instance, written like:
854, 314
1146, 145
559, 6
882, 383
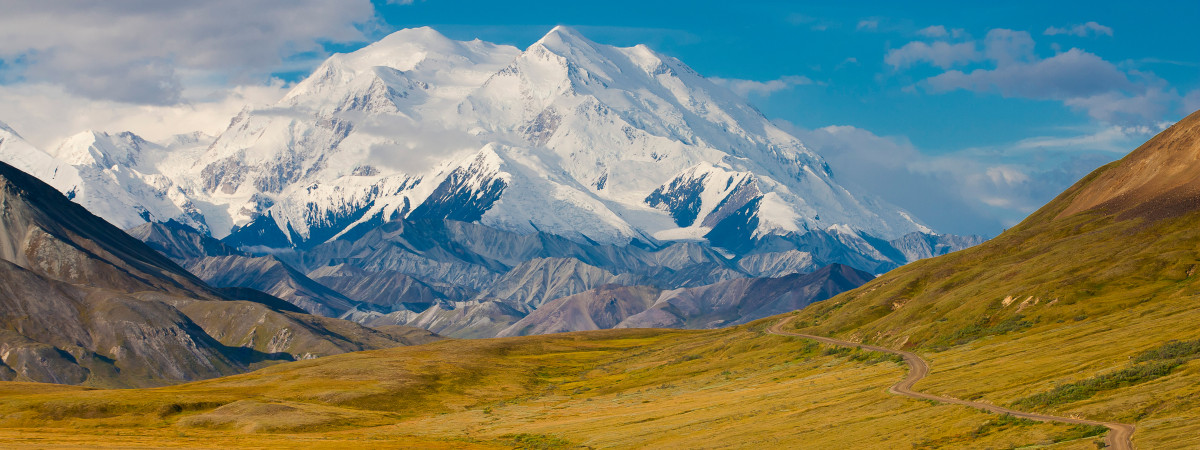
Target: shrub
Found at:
1085, 389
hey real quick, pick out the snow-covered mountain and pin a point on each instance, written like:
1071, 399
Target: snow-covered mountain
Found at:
570, 137
19, 153
119, 177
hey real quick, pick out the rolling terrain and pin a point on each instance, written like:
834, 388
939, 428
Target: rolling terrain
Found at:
1119, 436
1087, 308
735, 387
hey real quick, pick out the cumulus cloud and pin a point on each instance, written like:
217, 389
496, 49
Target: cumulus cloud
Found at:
1082, 30
1074, 73
1011, 67
891, 168
941, 54
1008, 46
136, 51
745, 88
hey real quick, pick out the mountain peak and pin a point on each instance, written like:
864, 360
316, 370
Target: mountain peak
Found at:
419, 34
104, 255
101, 148
564, 36
401, 50
565, 31
581, 136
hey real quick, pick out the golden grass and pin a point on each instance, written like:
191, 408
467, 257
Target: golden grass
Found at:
1051, 302
737, 388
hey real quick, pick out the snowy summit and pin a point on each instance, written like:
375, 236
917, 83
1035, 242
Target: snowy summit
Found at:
569, 137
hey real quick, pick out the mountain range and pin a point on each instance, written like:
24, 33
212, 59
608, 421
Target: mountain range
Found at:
426, 180
85, 303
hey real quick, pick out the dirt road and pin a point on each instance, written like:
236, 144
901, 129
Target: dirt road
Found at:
1119, 437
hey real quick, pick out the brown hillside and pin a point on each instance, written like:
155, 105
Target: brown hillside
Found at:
1160, 179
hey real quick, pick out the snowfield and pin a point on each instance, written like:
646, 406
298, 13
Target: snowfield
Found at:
570, 137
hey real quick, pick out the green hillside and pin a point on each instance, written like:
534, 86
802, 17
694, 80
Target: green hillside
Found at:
1087, 307
738, 388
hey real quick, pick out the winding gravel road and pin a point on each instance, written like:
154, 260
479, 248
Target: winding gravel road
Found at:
1119, 437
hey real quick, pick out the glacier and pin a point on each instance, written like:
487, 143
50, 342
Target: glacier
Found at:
570, 137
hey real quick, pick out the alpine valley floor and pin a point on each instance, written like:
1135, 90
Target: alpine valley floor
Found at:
738, 387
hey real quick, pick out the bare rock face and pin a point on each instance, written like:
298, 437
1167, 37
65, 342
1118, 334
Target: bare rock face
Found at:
386, 290
26, 359
597, 309
743, 300
531, 284
725, 303
42, 231
468, 320
60, 333
226, 267
270, 275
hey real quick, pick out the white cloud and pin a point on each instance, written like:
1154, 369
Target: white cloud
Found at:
971, 189
851, 61
934, 31
1081, 30
1071, 74
135, 51
744, 88
46, 113
1113, 138
941, 54
1008, 46
1191, 102
1082, 81
868, 24
1123, 107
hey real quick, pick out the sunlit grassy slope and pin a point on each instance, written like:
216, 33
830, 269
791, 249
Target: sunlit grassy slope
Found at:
620, 388
1052, 314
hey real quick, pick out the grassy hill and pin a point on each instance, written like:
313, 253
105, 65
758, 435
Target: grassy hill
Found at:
1087, 307
618, 388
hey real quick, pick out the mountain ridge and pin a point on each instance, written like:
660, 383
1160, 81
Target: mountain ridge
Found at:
85, 303
622, 144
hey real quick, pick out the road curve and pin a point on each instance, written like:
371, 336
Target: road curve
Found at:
1120, 435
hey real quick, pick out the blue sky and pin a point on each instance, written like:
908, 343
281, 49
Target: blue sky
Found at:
847, 66
969, 117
